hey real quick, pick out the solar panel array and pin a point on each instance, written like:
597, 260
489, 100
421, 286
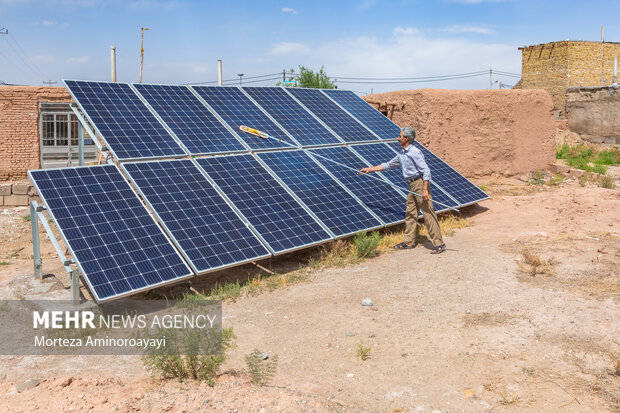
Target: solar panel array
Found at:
195, 126
243, 199
117, 245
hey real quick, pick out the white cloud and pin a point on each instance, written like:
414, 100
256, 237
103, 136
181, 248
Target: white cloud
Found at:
44, 58
289, 10
82, 59
405, 31
289, 48
459, 28
409, 53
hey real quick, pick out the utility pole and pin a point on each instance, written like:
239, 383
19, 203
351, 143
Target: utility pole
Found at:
113, 64
283, 76
49, 82
219, 72
240, 76
142, 51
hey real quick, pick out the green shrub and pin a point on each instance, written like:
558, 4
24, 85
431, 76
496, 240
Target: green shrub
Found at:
556, 179
194, 357
261, 371
365, 245
363, 352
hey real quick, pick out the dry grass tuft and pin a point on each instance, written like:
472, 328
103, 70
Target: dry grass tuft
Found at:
534, 265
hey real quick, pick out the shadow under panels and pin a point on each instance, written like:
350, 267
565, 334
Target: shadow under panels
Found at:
116, 243
207, 231
338, 209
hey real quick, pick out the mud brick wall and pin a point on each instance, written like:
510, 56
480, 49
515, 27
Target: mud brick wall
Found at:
593, 112
19, 127
559, 65
480, 132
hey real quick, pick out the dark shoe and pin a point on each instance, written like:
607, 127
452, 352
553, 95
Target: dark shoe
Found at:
438, 249
404, 246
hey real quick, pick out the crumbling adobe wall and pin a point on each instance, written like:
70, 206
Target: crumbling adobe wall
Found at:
481, 132
593, 113
19, 127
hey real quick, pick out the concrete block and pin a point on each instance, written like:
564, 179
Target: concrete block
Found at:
1, 200
21, 188
5, 189
561, 169
16, 200
32, 191
34, 198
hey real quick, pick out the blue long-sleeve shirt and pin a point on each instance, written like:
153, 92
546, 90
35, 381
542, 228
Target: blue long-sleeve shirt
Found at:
412, 162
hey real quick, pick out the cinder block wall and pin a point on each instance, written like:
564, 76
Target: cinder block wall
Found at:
558, 65
19, 127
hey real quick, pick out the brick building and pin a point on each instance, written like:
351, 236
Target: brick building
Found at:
37, 129
557, 66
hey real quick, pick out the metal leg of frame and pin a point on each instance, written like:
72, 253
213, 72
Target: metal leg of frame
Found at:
80, 144
75, 286
36, 245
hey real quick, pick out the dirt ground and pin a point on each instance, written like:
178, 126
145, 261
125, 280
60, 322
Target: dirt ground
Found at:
463, 331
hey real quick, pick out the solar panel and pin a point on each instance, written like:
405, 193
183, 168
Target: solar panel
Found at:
234, 107
362, 111
117, 245
292, 116
332, 115
463, 190
280, 220
377, 153
205, 228
128, 128
381, 198
329, 201
199, 130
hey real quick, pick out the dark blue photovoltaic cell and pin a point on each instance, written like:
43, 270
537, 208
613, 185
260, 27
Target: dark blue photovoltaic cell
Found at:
292, 116
381, 198
118, 246
207, 230
464, 191
379, 153
199, 130
368, 115
332, 115
232, 105
123, 120
335, 207
282, 222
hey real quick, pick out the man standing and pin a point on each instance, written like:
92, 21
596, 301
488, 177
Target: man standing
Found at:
417, 174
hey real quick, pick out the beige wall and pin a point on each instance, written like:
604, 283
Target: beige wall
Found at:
594, 113
559, 65
19, 127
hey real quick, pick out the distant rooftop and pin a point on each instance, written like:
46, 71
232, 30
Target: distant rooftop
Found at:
569, 41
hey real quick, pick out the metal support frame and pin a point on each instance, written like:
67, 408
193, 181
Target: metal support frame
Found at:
80, 144
36, 214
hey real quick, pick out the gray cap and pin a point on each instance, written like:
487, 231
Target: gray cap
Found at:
409, 132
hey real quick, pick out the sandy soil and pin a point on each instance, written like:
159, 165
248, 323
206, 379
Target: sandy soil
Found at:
463, 331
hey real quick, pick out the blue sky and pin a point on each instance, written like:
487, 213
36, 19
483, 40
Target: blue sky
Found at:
70, 39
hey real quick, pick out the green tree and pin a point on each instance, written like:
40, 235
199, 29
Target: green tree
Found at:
308, 78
